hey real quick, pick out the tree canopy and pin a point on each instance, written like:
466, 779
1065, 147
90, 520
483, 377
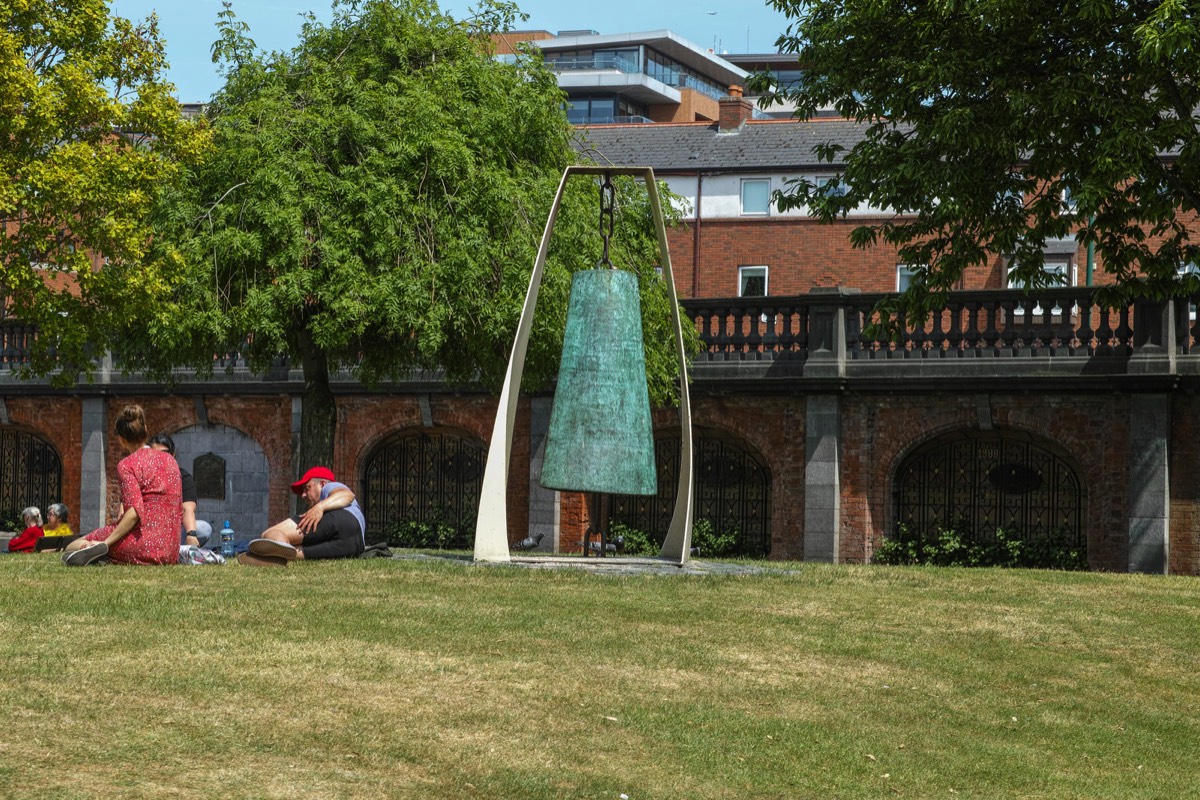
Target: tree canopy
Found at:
374, 203
76, 187
992, 127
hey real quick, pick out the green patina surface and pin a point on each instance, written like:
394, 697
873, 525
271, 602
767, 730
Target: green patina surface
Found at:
601, 438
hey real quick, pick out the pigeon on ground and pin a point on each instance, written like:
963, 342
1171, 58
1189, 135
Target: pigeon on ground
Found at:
530, 542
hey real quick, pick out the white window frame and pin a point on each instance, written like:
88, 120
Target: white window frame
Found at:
1070, 206
755, 182
904, 276
839, 190
1190, 268
755, 271
1069, 269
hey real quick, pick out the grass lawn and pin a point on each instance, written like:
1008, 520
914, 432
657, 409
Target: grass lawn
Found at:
398, 679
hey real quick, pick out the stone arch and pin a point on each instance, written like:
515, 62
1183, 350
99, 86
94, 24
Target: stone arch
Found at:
423, 475
732, 489
246, 480
31, 474
976, 481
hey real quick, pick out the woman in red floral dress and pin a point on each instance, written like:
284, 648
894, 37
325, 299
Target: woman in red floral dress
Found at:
148, 531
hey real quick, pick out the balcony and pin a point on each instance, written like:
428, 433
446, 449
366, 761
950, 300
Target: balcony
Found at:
600, 62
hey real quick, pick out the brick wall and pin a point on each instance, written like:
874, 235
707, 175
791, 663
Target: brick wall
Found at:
1185, 485
877, 430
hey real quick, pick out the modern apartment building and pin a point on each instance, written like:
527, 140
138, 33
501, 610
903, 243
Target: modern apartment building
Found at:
656, 76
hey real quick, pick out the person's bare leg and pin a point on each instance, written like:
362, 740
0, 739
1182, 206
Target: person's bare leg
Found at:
286, 532
78, 544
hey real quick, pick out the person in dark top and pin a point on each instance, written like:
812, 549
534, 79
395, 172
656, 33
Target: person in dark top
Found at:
161, 441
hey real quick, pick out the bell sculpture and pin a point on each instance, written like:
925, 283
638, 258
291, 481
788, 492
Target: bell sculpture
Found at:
600, 439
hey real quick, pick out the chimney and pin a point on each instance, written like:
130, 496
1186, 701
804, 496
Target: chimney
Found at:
735, 110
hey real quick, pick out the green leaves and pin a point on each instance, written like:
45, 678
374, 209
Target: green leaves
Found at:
980, 117
76, 187
376, 198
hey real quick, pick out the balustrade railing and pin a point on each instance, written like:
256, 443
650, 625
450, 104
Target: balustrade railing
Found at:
16, 341
1064, 323
1055, 322
1058, 323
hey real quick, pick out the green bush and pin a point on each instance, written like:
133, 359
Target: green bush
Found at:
422, 535
704, 536
711, 543
637, 543
950, 548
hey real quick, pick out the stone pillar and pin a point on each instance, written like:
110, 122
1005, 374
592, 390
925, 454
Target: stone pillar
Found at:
93, 479
827, 334
543, 502
822, 482
1149, 487
1153, 338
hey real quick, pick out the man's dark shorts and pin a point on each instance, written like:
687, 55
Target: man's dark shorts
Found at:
337, 536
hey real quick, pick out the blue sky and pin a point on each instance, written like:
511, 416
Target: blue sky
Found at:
734, 26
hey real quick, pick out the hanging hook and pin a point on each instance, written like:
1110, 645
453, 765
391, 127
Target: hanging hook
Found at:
607, 203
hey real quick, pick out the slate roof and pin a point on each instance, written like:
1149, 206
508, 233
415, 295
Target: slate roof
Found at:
756, 146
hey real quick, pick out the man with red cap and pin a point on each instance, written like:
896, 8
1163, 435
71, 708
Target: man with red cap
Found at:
332, 527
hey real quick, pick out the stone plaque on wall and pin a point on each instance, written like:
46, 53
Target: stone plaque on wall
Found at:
209, 473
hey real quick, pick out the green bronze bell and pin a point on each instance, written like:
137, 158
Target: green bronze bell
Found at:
601, 438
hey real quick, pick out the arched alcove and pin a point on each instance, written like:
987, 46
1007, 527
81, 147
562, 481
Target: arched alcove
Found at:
977, 482
30, 474
423, 476
244, 496
732, 491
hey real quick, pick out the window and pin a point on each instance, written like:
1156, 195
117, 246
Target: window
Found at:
756, 196
602, 109
752, 281
904, 276
831, 185
1070, 206
1063, 271
1183, 273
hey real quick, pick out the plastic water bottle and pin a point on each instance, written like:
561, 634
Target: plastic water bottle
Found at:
227, 541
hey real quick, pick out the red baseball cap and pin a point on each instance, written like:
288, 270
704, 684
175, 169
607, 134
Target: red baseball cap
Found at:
321, 473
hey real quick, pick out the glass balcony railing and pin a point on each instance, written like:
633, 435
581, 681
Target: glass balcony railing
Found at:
607, 119
571, 63
707, 89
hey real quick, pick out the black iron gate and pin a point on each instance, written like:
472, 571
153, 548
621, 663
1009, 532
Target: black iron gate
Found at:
732, 491
30, 474
977, 482
424, 478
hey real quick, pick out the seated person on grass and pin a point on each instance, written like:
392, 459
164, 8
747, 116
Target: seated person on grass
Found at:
332, 527
190, 533
58, 532
26, 540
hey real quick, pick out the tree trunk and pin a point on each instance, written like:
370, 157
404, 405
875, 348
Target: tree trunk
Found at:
318, 415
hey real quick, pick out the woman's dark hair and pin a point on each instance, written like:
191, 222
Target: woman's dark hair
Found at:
131, 425
163, 439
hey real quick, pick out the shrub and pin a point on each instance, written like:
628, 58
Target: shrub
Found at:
948, 547
425, 535
704, 535
637, 542
713, 544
